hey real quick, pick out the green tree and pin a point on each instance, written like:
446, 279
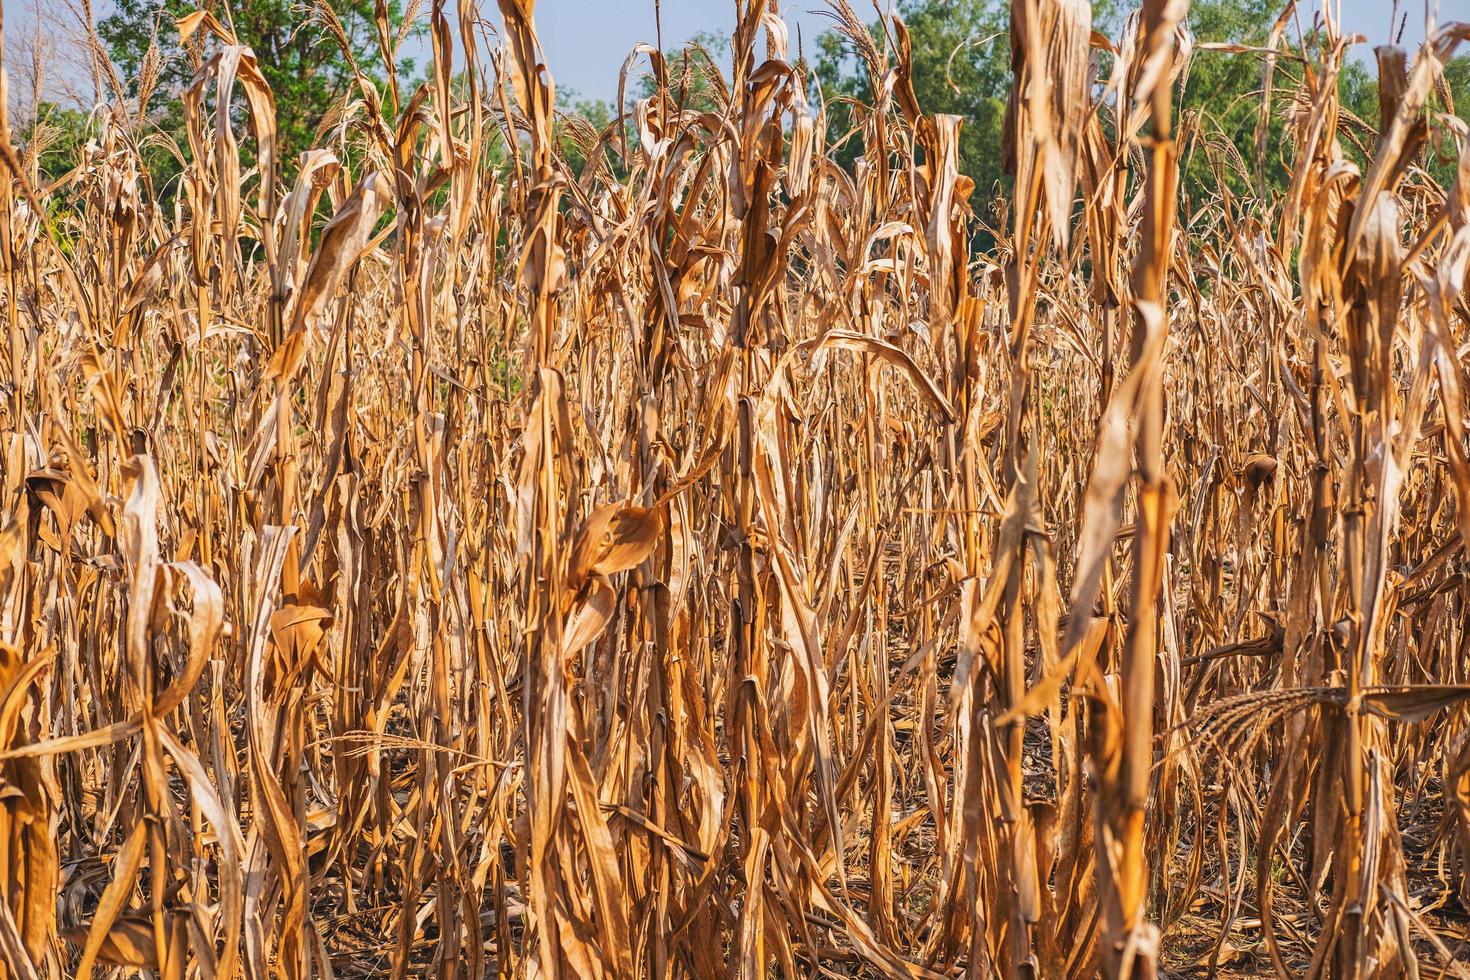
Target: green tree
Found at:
303, 62
689, 69
1225, 90
54, 138
961, 65
579, 127
1360, 97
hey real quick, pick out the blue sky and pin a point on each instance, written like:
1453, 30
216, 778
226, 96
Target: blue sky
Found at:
586, 40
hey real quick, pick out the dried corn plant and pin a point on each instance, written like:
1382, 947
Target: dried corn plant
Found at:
428, 558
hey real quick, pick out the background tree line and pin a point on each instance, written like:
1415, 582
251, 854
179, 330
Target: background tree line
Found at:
960, 59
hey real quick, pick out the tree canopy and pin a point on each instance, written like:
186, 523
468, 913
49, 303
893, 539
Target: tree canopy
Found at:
303, 58
961, 65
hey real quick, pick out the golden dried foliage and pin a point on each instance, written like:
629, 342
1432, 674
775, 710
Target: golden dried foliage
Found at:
708, 563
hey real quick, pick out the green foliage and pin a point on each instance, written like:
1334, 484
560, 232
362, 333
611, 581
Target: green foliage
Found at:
689, 69
961, 66
1457, 80
304, 64
581, 124
55, 138
1223, 91
961, 63
1360, 96
1226, 90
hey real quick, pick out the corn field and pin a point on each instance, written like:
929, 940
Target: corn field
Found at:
427, 558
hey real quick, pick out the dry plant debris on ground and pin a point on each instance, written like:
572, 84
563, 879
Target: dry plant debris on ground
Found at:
712, 562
